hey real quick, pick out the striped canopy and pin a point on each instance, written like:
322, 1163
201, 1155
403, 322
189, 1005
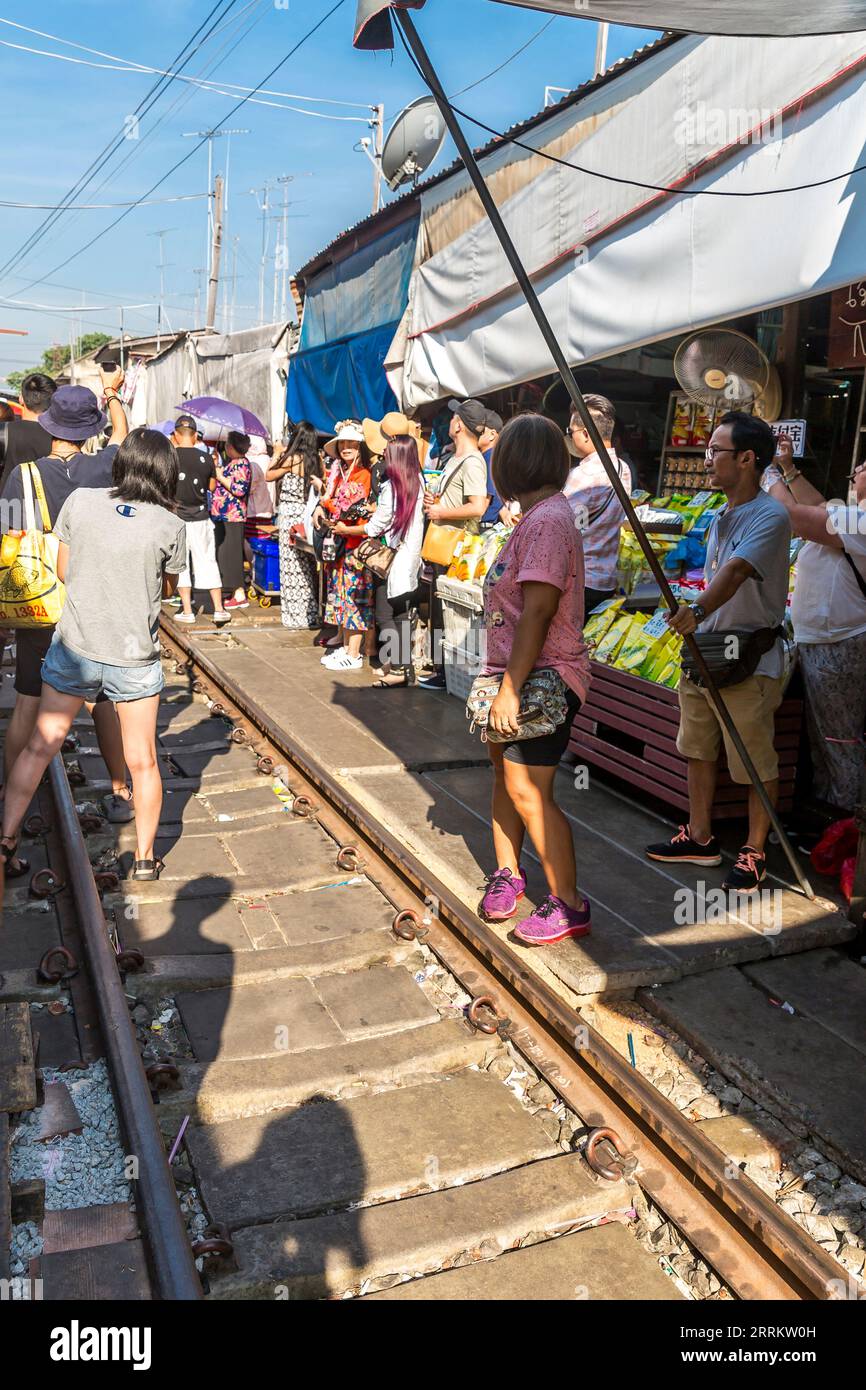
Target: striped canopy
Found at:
769, 18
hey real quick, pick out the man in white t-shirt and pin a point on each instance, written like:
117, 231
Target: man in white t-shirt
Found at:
601, 515
828, 612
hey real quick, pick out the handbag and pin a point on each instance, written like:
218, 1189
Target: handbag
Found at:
543, 705
440, 543
31, 595
731, 654
375, 556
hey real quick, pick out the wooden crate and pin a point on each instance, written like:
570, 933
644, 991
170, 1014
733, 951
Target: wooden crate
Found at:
628, 726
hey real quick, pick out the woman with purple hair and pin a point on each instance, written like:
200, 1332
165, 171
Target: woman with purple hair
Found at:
399, 520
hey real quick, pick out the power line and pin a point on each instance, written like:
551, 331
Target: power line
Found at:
91, 207
143, 107
516, 54
128, 65
183, 160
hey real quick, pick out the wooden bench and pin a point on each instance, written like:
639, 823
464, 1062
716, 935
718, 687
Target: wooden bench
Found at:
628, 727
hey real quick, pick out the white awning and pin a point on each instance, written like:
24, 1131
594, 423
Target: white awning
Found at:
771, 18
617, 264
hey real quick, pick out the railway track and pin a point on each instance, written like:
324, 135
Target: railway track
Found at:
362, 1090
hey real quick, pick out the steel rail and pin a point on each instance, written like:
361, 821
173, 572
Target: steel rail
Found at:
689, 1175
172, 1262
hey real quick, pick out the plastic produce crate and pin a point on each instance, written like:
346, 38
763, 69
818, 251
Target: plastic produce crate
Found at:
462, 665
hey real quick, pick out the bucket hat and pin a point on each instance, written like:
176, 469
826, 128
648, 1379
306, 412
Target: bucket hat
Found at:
73, 414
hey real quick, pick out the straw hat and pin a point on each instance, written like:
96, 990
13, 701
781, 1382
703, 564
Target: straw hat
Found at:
379, 433
346, 430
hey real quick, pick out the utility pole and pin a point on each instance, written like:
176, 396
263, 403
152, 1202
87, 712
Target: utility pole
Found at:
162, 269
378, 127
264, 209
213, 278
210, 136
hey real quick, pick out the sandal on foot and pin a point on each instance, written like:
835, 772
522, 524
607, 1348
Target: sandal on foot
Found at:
401, 683
12, 865
147, 870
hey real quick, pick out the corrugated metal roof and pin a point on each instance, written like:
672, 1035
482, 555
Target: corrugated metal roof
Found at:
362, 232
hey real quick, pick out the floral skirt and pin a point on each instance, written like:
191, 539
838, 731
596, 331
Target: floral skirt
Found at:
350, 596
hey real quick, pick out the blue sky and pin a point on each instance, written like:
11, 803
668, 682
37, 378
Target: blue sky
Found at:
58, 117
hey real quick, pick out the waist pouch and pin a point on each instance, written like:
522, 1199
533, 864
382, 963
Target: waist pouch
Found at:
731, 654
543, 705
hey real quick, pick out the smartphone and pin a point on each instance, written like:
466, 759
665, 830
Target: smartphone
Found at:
108, 367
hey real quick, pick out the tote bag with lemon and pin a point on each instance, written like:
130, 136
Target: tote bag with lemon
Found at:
31, 595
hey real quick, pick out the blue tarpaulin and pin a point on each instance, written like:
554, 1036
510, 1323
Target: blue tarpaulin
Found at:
352, 310
342, 380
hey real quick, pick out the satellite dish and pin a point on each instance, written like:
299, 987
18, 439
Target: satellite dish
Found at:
413, 142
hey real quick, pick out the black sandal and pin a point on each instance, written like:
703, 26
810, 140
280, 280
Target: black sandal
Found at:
13, 867
384, 684
147, 870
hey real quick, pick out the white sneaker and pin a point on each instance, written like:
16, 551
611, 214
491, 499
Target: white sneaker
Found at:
221, 617
188, 618
331, 656
344, 662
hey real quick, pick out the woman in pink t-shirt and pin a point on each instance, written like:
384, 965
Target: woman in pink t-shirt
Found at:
533, 610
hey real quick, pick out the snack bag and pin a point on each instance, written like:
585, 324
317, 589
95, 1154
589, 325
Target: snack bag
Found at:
598, 622
637, 645
681, 426
465, 566
607, 648
702, 426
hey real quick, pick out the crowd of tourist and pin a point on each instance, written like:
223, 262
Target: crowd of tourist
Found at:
365, 524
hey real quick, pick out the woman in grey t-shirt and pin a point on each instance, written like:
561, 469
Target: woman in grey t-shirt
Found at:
121, 551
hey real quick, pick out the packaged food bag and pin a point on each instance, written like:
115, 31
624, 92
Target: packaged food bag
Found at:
600, 619
613, 639
681, 426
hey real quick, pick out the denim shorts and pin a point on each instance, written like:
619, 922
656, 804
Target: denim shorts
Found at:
73, 674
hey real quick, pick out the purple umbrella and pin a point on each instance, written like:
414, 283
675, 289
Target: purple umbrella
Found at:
225, 414
164, 427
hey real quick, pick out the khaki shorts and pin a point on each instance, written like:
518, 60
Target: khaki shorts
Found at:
752, 704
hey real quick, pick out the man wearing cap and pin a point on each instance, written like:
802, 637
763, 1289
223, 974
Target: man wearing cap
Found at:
497, 512
72, 418
195, 479
462, 497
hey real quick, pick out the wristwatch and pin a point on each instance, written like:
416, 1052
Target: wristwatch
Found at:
699, 612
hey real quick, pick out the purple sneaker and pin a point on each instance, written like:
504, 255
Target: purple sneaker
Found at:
501, 896
554, 920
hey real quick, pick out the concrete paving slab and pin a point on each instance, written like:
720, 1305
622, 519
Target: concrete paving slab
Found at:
218, 763
824, 986
603, 1264
25, 938
326, 1256
290, 855
255, 1021
235, 1090
186, 926
253, 803
269, 964
326, 914
802, 1073
329, 1155
380, 1000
